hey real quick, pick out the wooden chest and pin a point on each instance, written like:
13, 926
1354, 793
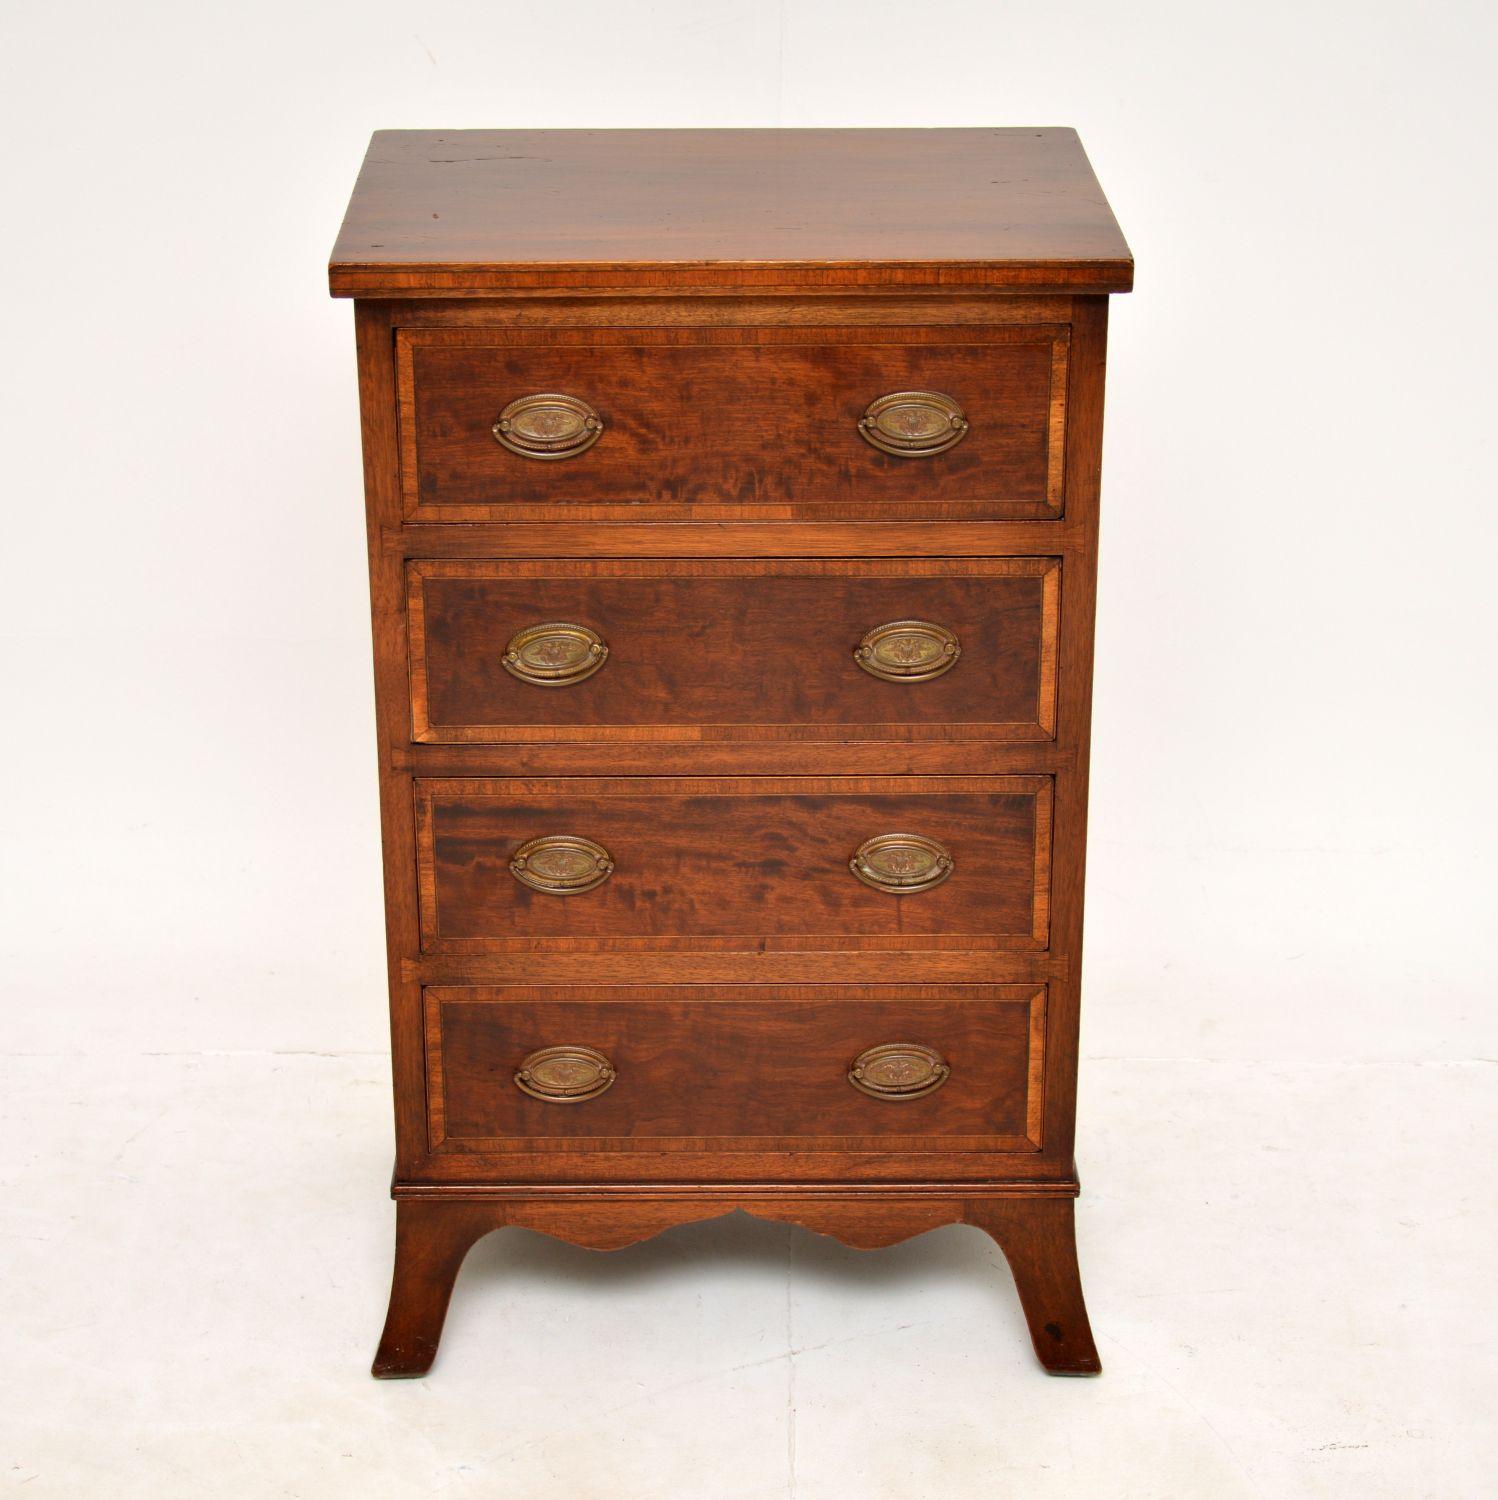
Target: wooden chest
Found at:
732, 511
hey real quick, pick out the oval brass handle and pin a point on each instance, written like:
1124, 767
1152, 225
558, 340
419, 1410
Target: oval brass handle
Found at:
554, 655
561, 864
901, 863
565, 1075
908, 651
914, 424
548, 426
898, 1070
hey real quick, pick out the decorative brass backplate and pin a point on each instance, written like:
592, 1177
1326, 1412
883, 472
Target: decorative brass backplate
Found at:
548, 426
908, 651
554, 655
561, 864
901, 863
898, 1070
565, 1075
914, 424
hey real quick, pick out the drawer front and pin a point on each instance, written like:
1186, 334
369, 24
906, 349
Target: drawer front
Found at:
729, 864
733, 650
735, 1068
731, 423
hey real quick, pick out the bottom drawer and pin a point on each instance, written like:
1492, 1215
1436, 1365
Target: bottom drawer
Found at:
723, 1069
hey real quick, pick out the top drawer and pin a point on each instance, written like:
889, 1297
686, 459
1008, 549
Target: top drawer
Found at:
732, 423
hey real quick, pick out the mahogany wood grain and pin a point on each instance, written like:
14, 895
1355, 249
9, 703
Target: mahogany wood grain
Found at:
787, 755
1038, 1238
739, 296
392, 715
734, 1069
732, 423
748, 649
431, 1240
663, 307
703, 862
750, 963
1084, 461
919, 538
623, 1165
468, 211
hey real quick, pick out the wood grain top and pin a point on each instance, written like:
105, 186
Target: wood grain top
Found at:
461, 212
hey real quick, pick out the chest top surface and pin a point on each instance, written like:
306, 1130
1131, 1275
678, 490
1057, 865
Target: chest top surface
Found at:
440, 212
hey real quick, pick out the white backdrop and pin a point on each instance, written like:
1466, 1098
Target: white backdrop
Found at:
1293, 830
1293, 822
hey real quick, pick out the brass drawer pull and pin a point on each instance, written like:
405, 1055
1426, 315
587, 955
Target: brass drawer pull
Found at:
565, 1075
901, 863
548, 426
908, 651
898, 1070
561, 864
554, 655
914, 424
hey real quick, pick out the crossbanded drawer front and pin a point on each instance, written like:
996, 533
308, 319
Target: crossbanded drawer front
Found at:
678, 650
729, 864
756, 423
735, 1068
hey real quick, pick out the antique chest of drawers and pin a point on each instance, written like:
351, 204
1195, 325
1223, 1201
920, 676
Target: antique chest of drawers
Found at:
732, 513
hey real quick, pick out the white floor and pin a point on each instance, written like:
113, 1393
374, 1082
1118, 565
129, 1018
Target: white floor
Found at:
198, 1252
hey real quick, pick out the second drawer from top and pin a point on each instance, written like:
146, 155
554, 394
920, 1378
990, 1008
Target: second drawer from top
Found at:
734, 649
